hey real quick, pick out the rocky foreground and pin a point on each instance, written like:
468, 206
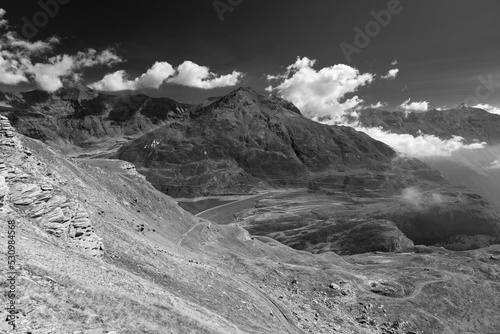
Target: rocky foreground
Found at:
99, 250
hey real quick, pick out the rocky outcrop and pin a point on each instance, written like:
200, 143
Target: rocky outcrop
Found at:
26, 191
371, 236
129, 168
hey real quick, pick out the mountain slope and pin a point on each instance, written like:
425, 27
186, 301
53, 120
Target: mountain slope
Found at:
78, 118
470, 123
245, 142
475, 169
161, 270
243, 138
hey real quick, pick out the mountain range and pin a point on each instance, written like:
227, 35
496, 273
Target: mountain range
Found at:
335, 231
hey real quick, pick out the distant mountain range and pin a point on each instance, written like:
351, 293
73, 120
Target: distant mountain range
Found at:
472, 124
76, 118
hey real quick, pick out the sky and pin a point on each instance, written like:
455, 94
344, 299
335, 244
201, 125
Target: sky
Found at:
419, 55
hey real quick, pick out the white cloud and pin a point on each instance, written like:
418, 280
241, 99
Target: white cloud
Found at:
378, 105
115, 81
493, 165
187, 74
415, 106
420, 146
318, 94
193, 75
394, 63
489, 108
31, 47
49, 76
152, 79
92, 58
3, 22
17, 65
392, 74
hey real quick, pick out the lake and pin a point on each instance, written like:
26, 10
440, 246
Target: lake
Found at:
195, 207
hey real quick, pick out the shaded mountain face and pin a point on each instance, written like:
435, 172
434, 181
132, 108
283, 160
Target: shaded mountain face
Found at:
243, 138
470, 123
76, 118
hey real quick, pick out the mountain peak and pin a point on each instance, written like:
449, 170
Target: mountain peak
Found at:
245, 89
243, 92
76, 92
463, 106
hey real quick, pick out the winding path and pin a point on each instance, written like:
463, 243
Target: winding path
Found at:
181, 239
418, 289
227, 210
421, 285
277, 311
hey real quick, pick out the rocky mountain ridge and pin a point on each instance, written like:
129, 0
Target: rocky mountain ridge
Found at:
245, 138
79, 119
472, 124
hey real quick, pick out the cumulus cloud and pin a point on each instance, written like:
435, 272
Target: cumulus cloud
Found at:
152, 79
13, 40
378, 105
187, 74
420, 146
49, 76
489, 108
3, 22
394, 63
17, 64
391, 75
193, 75
415, 106
320, 93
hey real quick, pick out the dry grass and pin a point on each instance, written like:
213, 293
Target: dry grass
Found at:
56, 301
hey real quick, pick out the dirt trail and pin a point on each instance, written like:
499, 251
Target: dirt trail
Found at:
277, 311
421, 285
418, 289
181, 239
